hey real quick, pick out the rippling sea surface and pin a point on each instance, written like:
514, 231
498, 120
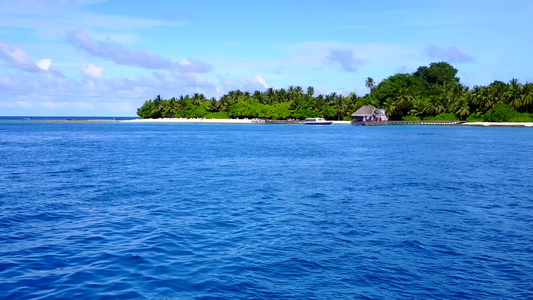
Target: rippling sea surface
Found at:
176, 211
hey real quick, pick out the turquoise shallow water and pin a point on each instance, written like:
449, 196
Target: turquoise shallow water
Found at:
176, 211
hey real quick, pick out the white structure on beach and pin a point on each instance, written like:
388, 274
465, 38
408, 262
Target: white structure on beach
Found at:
369, 113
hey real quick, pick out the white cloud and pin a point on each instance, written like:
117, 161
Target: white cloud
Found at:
92, 71
44, 64
259, 79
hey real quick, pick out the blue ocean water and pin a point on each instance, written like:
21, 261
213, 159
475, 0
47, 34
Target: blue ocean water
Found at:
48, 118
199, 211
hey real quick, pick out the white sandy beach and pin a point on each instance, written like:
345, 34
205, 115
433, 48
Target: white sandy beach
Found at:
209, 121
184, 120
251, 121
499, 124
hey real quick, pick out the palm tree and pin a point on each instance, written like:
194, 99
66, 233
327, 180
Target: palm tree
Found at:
435, 106
318, 103
270, 92
481, 98
391, 108
197, 99
351, 102
497, 90
340, 106
158, 107
513, 94
331, 98
462, 109
403, 98
452, 93
168, 110
290, 90
256, 95
213, 105
370, 83
281, 96
527, 95
419, 107
310, 91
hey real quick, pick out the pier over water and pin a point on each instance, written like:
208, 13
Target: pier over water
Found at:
425, 122
377, 123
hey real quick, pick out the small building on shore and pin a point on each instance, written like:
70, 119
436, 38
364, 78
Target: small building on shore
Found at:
369, 114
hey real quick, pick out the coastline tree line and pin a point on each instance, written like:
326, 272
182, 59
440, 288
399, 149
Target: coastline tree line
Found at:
432, 92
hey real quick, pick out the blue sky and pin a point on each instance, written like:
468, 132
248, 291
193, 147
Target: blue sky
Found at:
104, 58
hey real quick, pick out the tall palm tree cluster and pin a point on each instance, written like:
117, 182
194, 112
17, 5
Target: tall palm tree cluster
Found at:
456, 101
273, 103
435, 92
430, 92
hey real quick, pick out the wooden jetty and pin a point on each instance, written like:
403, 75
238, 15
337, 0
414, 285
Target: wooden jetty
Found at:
379, 123
442, 123
365, 123
369, 123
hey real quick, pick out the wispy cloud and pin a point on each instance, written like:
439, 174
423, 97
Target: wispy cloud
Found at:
345, 58
142, 58
42, 6
357, 53
42, 92
49, 18
451, 54
17, 57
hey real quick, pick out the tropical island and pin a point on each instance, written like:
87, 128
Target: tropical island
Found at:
432, 92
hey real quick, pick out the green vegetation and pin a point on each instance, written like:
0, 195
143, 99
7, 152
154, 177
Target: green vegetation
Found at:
442, 117
474, 118
272, 104
505, 113
217, 115
411, 118
432, 92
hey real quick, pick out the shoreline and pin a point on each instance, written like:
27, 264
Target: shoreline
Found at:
208, 121
251, 121
183, 120
248, 121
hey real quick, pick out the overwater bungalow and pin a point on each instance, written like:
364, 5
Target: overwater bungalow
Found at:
369, 115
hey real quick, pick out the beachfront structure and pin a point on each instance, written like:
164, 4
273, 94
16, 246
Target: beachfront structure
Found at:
369, 114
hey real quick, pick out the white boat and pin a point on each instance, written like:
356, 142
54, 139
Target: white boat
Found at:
316, 121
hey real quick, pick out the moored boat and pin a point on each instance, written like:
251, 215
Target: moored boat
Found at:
316, 121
